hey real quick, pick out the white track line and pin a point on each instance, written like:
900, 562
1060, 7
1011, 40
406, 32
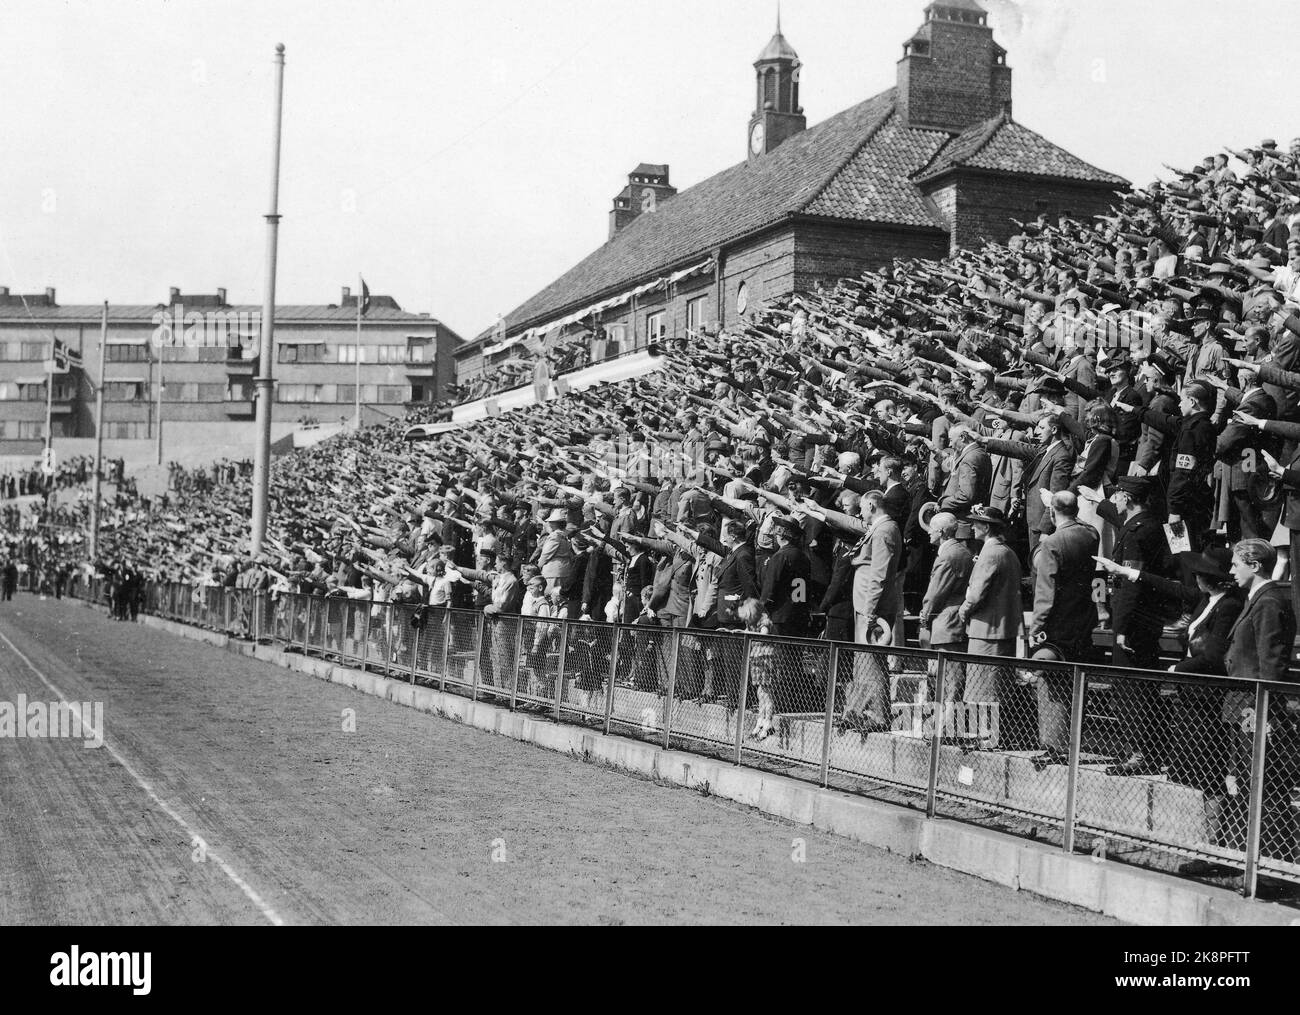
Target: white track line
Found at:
270, 914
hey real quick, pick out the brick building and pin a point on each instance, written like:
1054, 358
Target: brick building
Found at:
202, 348
930, 166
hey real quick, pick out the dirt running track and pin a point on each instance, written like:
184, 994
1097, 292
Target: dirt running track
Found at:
395, 823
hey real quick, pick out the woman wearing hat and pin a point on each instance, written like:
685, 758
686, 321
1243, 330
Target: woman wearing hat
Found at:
1199, 741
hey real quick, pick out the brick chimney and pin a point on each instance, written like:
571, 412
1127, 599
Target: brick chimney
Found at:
953, 75
347, 295
647, 188
49, 297
221, 297
175, 296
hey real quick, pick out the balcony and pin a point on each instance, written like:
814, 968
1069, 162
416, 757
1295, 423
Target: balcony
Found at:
237, 366
416, 368
241, 409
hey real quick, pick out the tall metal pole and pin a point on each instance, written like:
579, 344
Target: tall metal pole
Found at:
160, 403
357, 357
99, 436
263, 383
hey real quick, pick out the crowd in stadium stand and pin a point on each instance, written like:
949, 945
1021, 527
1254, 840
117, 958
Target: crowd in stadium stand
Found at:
968, 441
564, 355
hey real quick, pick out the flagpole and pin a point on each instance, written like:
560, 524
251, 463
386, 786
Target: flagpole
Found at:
160, 403
263, 383
99, 437
360, 300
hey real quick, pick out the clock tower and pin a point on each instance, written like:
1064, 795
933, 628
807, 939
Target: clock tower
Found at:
778, 115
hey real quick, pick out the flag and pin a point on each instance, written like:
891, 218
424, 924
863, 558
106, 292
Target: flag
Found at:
64, 359
363, 301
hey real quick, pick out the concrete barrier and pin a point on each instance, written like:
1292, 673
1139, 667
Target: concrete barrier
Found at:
1125, 893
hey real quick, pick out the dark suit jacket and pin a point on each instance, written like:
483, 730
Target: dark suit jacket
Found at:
838, 600
785, 583
737, 581
1141, 544
1209, 645
1049, 469
1237, 437
971, 481
1260, 644
1063, 573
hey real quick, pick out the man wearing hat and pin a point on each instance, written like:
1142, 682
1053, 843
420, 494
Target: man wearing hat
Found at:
1119, 371
991, 611
1138, 618
1190, 458
556, 558
1238, 447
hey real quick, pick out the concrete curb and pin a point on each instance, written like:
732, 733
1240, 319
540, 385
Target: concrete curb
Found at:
1125, 893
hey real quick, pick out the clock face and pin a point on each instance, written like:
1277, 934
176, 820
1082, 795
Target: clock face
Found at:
756, 138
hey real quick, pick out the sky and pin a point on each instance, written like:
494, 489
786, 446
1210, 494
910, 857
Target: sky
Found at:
461, 155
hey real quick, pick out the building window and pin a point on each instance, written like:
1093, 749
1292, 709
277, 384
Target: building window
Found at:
126, 431
8, 391
31, 429
347, 393
302, 353
697, 311
742, 298
187, 391
348, 354
31, 392
239, 391
655, 328
394, 394
128, 353
125, 391
35, 351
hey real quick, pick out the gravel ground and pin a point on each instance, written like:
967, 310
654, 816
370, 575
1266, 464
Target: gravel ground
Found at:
408, 819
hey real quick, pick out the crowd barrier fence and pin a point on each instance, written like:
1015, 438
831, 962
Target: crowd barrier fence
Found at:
956, 735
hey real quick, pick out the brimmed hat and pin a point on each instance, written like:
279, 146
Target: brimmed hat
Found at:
881, 633
1138, 486
558, 515
1213, 563
986, 515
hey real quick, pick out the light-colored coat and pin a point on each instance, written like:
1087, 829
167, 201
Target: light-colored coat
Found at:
994, 593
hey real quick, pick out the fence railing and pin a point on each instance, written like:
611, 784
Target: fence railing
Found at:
956, 735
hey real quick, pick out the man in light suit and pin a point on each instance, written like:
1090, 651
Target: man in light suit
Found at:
971, 478
875, 597
991, 612
946, 593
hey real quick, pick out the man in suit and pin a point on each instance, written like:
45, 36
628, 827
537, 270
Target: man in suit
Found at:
1237, 446
737, 583
1050, 467
875, 597
990, 613
737, 579
1128, 428
1138, 616
946, 593
785, 582
971, 478
1064, 612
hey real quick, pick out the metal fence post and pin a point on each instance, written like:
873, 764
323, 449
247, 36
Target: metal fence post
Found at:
413, 635
672, 687
832, 681
936, 735
1255, 822
365, 630
613, 675
446, 648
1076, 749
478, 656
743, 698
388, 638
559, 676
306, 625
518, 642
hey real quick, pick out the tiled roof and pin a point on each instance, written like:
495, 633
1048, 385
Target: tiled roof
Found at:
875, 185
862, 165
736, 201
1002, 145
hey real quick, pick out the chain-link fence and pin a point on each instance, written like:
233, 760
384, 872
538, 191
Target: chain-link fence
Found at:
1164, 770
